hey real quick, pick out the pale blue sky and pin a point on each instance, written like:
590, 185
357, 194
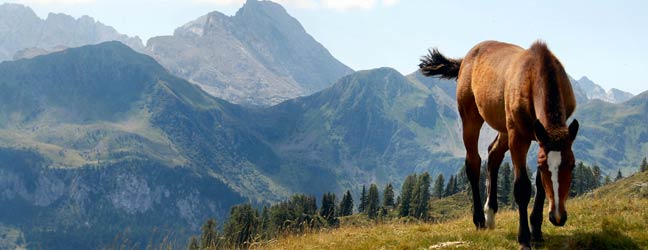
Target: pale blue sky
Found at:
604, 40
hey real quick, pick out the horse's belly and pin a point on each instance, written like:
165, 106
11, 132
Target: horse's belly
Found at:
493, 111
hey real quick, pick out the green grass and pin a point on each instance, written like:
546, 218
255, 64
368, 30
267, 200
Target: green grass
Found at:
612, 217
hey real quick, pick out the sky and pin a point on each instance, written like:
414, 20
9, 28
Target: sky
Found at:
603, 40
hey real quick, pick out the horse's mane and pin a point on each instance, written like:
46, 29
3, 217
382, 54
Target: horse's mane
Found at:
549, 69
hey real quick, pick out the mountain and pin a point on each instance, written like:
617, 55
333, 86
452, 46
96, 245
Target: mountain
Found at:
93, 144
371, 126
101, 140
613, 136
595, 91
21, 29
259, 56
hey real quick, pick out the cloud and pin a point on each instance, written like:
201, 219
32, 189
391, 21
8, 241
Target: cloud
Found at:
348, 4
56, 1
302, 4
338, 5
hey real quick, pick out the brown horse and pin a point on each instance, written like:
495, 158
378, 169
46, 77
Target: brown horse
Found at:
525, 95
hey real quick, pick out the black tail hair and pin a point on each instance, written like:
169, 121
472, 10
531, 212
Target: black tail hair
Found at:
436, 64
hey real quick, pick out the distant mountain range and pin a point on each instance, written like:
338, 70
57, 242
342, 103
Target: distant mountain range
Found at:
595, 91
259, 56
22, 29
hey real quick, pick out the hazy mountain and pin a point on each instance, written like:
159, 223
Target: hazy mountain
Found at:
371, 126
93, 142
259, 56
21, 28
595, 91
97, 139
613, 136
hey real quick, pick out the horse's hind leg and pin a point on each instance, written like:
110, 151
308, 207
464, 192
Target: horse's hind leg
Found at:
496, 152
472, 123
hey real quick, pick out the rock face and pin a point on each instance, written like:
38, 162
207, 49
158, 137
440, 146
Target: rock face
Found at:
21, 28
595, 91
259, 56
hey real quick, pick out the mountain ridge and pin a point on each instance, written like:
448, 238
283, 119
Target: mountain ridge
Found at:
259, 56
23, 29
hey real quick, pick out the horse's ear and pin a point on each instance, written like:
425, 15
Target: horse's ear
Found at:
573, 129
540, 132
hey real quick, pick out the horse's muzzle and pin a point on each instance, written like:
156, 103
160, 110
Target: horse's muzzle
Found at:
559, 222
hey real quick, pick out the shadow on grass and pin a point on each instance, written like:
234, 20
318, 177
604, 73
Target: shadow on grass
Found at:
605, 239
601, 240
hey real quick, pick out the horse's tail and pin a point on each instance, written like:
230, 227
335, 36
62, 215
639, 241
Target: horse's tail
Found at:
436, 64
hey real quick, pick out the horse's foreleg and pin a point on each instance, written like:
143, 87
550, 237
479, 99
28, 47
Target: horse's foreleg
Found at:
496, 152
522, 187
536, 213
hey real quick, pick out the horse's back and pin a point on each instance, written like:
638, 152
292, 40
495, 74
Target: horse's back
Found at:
482, 79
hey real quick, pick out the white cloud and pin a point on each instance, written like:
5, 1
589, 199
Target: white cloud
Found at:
338, 5
348, 4
302, 4
56, 1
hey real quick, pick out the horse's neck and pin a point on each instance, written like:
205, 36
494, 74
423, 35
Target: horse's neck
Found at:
549, 106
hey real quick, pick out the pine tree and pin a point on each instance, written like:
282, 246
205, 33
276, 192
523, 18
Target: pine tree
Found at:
209, 236
240, 228
505, 184
438, 186
406, 195
327, 211
462, 180
619, 176
346, 205
265, 226
644, 165
373, 202
450, 188
193, 244
363, 200
607, 180
596, 172
421, 196
388, 196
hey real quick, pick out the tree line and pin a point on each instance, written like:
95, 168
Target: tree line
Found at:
300, 213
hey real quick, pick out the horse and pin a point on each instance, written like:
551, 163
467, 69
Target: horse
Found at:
525, 95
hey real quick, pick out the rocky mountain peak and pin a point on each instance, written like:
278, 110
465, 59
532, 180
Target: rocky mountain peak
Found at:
259, 56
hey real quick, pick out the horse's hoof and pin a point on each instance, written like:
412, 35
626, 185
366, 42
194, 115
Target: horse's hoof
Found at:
525, 248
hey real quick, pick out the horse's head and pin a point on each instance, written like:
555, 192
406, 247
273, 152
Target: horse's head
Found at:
555, 164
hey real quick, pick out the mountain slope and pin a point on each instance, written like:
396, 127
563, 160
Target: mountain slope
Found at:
93, 143
371, 126
23, 29
260, 56
613, 136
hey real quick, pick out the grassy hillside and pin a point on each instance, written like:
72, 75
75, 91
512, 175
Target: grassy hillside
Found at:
612, 217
